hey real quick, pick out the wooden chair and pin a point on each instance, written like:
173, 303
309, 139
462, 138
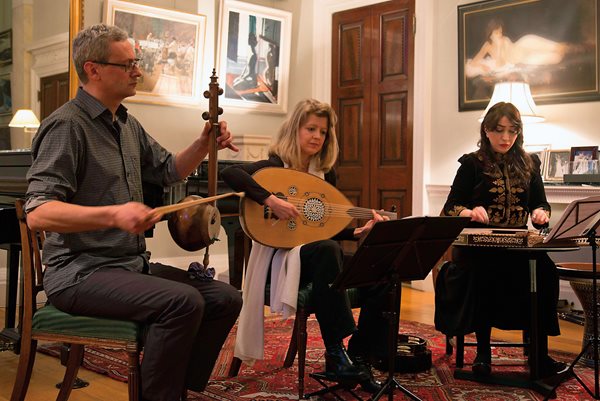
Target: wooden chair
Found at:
50, 324
304, 309
458, 341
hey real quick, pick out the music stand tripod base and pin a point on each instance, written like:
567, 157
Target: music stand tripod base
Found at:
323, 378
394, 251
581, 219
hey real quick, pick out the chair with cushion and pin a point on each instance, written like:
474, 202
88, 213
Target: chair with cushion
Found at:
50, 324
304, 309
459, 340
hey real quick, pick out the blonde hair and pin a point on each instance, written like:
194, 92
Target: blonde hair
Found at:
287, 146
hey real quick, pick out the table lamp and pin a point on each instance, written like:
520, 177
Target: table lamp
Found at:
25, 118
519, 94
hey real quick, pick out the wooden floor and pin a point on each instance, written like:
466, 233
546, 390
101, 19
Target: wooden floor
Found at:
416, 306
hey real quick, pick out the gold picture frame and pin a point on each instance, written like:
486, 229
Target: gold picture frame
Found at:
550, 44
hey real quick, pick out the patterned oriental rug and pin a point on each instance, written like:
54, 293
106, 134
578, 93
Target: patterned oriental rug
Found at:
268, 381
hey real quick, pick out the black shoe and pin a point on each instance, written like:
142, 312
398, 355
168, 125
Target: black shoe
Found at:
370, 385
551, 367
339, 366
482, 365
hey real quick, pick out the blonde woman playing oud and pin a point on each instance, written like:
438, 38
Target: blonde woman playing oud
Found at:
307, 142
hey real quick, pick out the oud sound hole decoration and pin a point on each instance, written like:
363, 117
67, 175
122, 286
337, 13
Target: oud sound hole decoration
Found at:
293, 190
291, 224
314, 209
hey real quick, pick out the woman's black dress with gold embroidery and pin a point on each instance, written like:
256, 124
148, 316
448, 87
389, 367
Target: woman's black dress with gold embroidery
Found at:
490, 287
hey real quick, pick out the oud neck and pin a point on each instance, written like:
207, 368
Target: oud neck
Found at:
364, 213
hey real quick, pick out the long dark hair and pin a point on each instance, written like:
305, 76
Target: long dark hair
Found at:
518, 162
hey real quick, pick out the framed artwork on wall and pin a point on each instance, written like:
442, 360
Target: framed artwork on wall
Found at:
557, 165
254, 56
5, 96
5, 47
550, 44
170, 47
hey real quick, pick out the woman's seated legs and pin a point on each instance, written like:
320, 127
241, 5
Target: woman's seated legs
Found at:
321, 263
370, 341
482, 365
491, 289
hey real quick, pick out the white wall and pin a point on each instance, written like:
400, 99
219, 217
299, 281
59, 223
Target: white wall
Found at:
455, 133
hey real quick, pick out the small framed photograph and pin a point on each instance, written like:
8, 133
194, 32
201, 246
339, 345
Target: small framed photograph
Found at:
582, 159
540, 151
6, 47
5, 97
557, 165
170, 47
254, 56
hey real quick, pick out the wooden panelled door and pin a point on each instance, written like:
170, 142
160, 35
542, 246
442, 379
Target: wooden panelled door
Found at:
372, 93
54, 92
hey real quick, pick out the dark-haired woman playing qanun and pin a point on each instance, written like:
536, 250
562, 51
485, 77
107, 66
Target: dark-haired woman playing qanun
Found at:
497, 186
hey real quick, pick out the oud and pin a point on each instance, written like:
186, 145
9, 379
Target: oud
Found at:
324, 210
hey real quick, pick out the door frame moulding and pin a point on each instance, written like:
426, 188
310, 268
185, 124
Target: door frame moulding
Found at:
50, 56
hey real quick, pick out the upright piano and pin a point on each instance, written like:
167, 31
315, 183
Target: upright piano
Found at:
13, 185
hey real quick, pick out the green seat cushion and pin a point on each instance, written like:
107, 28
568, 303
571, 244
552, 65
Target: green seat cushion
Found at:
53, 321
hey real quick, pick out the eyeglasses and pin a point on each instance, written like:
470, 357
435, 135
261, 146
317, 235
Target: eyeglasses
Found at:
126, 67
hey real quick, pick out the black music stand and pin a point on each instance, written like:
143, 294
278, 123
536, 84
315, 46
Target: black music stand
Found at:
581, 220
396, 251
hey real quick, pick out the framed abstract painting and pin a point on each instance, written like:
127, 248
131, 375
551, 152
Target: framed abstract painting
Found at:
254, 56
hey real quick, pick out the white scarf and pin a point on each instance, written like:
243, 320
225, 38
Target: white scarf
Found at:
285, 280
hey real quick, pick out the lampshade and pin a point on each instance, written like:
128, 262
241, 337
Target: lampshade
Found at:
24, 118
519, 94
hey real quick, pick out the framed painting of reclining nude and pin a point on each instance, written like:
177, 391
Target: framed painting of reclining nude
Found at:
169, 46
550, 44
